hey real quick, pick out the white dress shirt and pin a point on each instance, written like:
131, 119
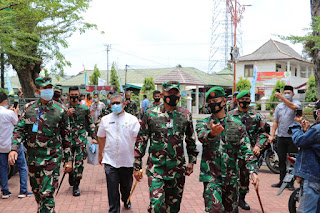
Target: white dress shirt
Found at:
120, 132
7, 122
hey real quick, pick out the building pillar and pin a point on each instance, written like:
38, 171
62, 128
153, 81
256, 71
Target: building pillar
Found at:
197, 100
307, 72
298, 71
189, 104
288, 66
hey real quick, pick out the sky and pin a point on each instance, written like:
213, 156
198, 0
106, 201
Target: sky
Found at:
161, 34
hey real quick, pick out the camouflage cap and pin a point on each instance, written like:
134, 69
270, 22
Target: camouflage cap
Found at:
166, 86
244, 93
43, 82
215, 92
57, 88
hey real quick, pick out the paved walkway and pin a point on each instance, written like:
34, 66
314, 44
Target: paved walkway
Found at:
94, 195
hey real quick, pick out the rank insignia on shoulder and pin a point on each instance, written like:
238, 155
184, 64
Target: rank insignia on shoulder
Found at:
169, 125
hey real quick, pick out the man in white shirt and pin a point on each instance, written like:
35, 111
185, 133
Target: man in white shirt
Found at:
117, 135
96, 107
8, 119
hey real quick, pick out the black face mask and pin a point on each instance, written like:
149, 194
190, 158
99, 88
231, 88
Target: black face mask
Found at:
215, 107
74, 98
244, 104
56, 95
156, 99
128, 99
171, 100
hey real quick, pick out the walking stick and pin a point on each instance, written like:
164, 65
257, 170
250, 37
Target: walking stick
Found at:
257, 191
64, 174
135, 184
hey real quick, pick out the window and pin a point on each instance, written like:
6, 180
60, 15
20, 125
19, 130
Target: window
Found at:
278, 67
248, 70
296, 72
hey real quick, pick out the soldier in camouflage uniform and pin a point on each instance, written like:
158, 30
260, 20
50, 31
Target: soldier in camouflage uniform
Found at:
57, 95
79, 117
165, 126
156, 98
224, 140
44, 126
131, 106
257, 137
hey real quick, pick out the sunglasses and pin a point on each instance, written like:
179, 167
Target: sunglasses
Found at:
116, 102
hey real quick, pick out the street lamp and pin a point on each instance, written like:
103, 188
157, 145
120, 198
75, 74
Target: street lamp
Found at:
236, 10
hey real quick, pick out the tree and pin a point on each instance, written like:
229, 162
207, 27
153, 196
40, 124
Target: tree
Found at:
32, 33
279, 85
311, 41
179, 66
95, 76
148, 84
114, 80
243, 84
311, 94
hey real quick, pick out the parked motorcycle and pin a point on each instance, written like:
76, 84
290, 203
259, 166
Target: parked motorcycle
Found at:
270, 156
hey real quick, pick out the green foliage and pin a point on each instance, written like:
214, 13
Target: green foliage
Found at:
148, 84
114, 80
95, 76
279, 85
311, 94
4, 90
243, 84
179, 66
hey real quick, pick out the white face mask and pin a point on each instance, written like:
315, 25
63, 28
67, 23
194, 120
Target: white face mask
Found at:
288, 96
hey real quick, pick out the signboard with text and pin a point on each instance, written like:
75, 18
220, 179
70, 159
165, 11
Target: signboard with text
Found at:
101, 90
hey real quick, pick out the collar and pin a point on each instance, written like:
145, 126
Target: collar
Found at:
119, 116
163, 109
238, 112
48, 105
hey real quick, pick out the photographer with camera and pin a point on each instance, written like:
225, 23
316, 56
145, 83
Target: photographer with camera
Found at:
283, 118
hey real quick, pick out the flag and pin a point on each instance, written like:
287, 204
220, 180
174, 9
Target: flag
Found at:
85, 76
121, 88
253, 84
101, 82
9, 86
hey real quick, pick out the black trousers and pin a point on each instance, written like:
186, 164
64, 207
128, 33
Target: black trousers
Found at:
118, 176
285, 145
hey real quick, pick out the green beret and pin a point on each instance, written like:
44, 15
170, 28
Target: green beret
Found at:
56, 87
43, 82
244, 93
166, 86
218, 92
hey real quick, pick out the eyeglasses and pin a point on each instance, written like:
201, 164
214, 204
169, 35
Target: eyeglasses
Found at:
116, 102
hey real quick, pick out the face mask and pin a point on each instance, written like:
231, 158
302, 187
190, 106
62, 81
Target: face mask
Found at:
128, 99
171, 100
156, 99
56, 95
288, 96
244, 104
95, 100
74, 98
46, 94
108, 101
215, 107
116, 108
6, 107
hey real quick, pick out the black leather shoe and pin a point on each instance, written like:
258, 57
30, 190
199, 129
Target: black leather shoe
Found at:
76, 191
71, 179
277, 185
127, 206
242, 203
290, 187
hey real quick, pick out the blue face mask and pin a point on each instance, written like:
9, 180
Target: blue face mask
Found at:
108, 101
46, 94
116, 108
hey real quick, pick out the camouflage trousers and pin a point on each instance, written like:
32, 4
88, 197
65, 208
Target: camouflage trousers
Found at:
165, 195
244, 178
220, 196
44, 180
79, 154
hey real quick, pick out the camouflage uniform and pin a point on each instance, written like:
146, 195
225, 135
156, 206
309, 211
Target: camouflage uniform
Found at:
77, 136
166, 167
152, 105
132, 108
45, 148
257, 136
218, 168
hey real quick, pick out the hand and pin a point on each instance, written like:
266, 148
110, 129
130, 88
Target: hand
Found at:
271, 138
138, 174
94, 141
13, 156
255, 180
256, 150
305, 125
278, 95
216, 129
100, 157
71, 111
99, 121
298, 119
16, 110
68, 167
12, 107
189, 169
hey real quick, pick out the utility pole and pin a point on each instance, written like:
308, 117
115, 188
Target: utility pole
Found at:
108, 49
2, 69
125, 79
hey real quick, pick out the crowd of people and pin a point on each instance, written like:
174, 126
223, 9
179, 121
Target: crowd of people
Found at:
54, 132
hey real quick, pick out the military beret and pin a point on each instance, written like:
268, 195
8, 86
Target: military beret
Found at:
166, 86
217, 92
244, 93
56, 87
43, 82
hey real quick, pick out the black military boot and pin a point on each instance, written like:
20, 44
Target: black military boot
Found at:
71, 179
242, 203
235, 207
76, 190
